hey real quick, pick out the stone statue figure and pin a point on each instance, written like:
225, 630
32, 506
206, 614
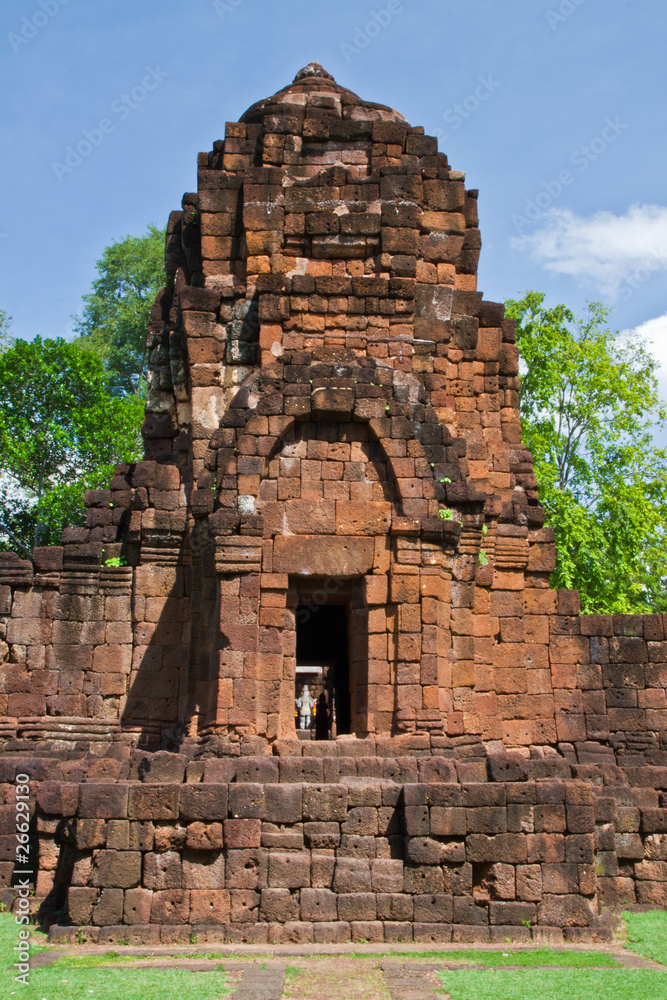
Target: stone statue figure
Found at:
305, 705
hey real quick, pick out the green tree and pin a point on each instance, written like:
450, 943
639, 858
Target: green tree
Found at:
6, 339
61, 432
115, 315
589, 406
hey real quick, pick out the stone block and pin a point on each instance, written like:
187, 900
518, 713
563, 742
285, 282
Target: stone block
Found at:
351, 875
311, 556
511, 913
154, 802
387, 875
507, 767
325, 803
257, 770
423, 879
90, 833
108, 909
103, 801
427, 933
529, 883
162, 871
209, 906
80, 902
161, 767
137, 906
283, 803
433, 908
356, 518
246, 801
357, 906
203, 869
545, 848
331, 932
116, 869
467, 911
289, 871
487, 819
204, 836
203, 802
244, 908
58, 798
565, 911
361, 821
242, 833
171, 906
318, 905
654, 820
246, 869
279, 906
447, 822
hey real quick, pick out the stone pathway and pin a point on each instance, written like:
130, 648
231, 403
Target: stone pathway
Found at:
411, 982
261, 984
341, 978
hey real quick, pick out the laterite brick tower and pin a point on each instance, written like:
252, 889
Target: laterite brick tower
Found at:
329, 693
342, 408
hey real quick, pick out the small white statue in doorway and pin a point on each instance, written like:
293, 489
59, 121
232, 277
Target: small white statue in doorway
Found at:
305, 705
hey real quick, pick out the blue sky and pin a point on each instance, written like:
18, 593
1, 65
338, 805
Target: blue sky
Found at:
554, 108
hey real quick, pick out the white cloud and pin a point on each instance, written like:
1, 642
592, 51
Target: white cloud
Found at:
654, 332
615, 253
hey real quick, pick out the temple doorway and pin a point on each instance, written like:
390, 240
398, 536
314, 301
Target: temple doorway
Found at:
322, 688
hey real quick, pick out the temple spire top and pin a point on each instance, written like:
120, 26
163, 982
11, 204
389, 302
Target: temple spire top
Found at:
312, 69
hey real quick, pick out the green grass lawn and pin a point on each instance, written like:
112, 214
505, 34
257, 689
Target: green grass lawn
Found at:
72, 979
556, 984
647, 934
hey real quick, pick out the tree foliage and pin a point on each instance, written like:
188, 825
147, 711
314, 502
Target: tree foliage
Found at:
61, 432
6, 339
589, 405
115, 315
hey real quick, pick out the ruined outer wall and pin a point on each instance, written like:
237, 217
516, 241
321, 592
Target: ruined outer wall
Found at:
393, 841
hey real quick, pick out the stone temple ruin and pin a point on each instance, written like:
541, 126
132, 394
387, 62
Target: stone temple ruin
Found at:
334, 493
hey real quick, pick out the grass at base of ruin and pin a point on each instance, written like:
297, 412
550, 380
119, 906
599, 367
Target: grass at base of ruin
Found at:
60, 982
555, 984
647, 934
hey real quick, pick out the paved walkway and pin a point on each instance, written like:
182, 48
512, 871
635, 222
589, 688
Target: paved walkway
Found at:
261, 984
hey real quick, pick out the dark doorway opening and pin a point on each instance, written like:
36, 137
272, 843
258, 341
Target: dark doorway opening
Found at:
322, 664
